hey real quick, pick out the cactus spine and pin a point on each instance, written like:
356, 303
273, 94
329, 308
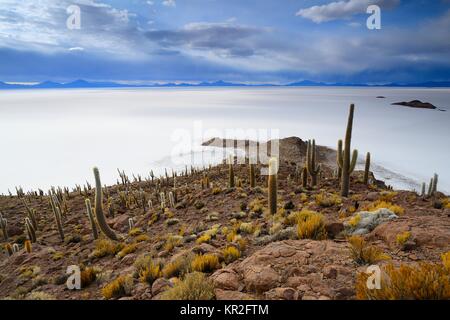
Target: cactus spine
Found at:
4, 225
347, 165
313, 170
91, 218
366, 169
101, 220
231, 173
272, 184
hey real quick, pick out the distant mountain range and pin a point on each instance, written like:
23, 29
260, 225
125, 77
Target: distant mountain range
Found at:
305, 83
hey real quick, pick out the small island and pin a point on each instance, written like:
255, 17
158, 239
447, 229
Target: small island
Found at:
415, 104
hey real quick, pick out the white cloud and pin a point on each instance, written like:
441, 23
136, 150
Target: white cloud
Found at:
76, 49
169, 3
342, 9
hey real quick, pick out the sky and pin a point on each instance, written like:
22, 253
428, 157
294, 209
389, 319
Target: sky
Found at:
257, 41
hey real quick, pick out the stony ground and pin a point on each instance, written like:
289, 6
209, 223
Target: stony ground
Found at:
272, 263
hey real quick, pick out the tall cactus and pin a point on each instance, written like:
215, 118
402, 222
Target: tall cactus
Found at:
231, 183
57, 216
345, 163
30, 230
4, 225
252, 175
273, 185
313, 169
367, 169
91, 218
101, 220
338, 156
305, 177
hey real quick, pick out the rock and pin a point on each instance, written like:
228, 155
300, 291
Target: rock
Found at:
370, 220
334, 229
160, 285
372, 196
14, 230
204, 248
281, 294
120, 223
330, 272
260, 278
226, 279
231, 295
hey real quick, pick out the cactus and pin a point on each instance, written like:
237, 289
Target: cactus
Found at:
171, 199
366, 169
272, 185
231, 173
101, 220
30, 230
9, 249
313, 170
345, 163
422, 194
130, 224
15, 248
31, 214
338, 156
435, 182
91, 218
3, 226
28, 246
252, 175
57, 216
305, 177
163, 200
150, 204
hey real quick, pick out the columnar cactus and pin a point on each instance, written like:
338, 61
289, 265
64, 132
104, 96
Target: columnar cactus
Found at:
57, 216
91, 218
9, 249
432, 188
338, 156
305, 177
345, 163
231, 173
31, 213
28, 246
30, 230
15, 248
171, 199
99, 208
273, 185
366, 169
130, 224
422, 194
252, 175
313, 170
3, 226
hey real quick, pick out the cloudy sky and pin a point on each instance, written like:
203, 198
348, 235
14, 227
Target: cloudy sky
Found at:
274, 41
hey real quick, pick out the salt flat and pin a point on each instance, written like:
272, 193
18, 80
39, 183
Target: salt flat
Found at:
55, 137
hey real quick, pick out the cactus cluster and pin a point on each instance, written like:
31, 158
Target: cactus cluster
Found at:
57, 215
91, 219
31, 232
311, 163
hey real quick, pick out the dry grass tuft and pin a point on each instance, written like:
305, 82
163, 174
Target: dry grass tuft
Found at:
119, 287
363, 253
195, 286
205, 263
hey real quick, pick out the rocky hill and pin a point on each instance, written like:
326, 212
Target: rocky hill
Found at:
209, 234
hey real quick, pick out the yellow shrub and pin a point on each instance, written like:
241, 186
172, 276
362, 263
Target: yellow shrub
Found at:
205, 238
205, 263
88, 275
299, 216
230, 254
446, 203
327, 200
106, 247
388, 205
387, 195
172, 242
312, 228
426, 281
353, 221
231, 235
130, 248
119, 287
177, 267
150, 273
195, 286
256, 206
141, 238
303, 197
403, 237
134, 232
363, 253
446, 260
216, 190
246, 228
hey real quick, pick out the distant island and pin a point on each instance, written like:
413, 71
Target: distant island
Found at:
416, 104
78, 84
